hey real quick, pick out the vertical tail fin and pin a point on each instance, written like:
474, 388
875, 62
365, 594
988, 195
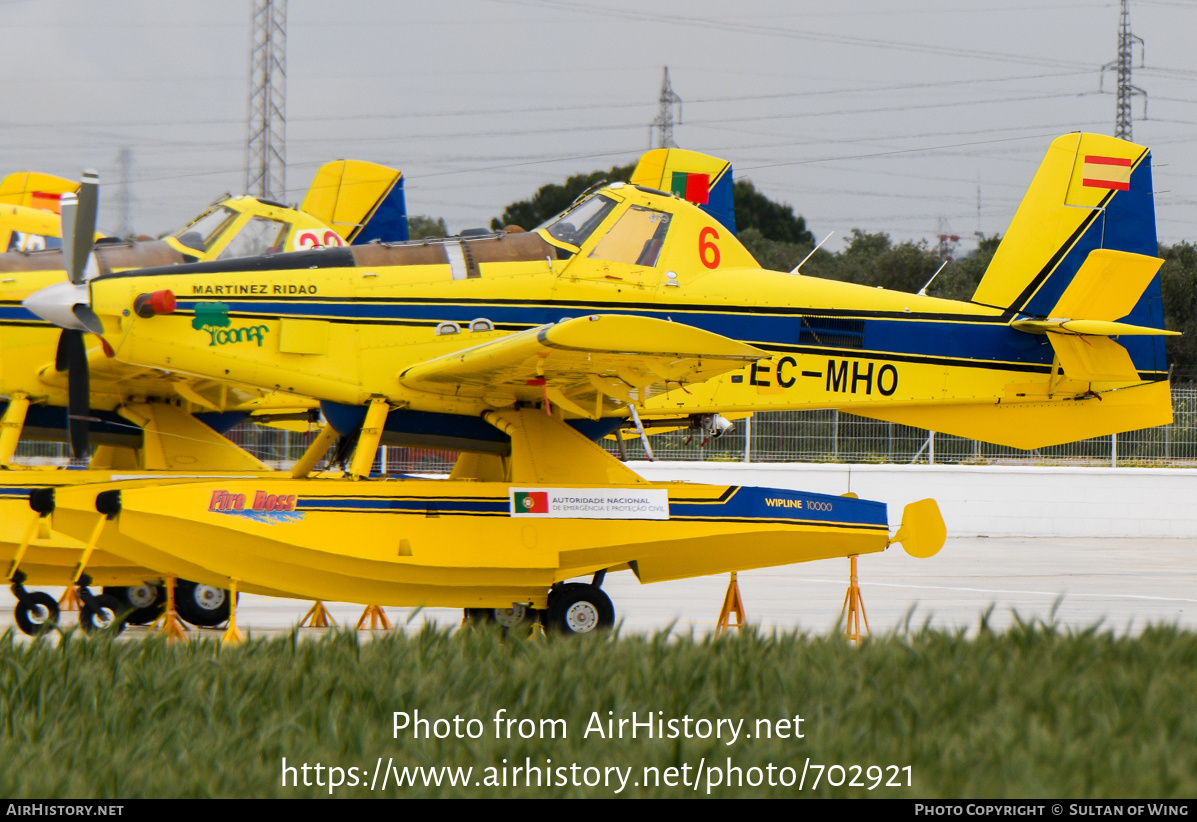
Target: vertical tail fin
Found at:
362, 201
35, 190
1091, 192
701, 179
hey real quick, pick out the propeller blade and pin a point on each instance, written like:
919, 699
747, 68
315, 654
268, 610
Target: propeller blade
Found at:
79, 213
72, 348
61, 360
68, 209
88, 318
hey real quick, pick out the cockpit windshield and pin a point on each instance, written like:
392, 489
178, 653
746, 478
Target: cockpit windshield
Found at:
261, 235
203, 232
578, 223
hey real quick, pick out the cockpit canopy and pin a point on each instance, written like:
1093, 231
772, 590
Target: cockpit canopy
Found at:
635, 238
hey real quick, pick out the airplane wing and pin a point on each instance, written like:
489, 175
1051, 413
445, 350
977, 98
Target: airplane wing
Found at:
582, 363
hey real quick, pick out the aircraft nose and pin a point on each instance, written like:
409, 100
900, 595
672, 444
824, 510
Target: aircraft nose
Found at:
65, 305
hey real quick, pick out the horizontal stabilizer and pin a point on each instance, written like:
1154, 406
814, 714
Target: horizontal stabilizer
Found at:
579, 362
1097, 328
1107, 285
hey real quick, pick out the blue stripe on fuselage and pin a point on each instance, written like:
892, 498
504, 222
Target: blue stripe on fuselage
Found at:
972, 339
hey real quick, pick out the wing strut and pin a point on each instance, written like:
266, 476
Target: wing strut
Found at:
648, 449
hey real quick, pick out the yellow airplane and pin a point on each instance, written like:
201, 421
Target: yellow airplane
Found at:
142, 419
29, 218
517, 348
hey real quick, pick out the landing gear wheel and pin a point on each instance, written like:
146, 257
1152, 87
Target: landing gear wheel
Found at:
578, 608
144, 603
204, 606
517, 614
479, 616
36, 612
103, 614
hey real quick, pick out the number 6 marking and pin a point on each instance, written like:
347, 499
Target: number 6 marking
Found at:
706, 243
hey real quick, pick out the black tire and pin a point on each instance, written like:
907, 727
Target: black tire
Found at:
506, 618
144, 603
204, 606
36, 613
515, 616
479, 616
579, 608
107, 615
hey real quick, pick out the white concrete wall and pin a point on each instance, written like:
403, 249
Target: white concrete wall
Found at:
992, 500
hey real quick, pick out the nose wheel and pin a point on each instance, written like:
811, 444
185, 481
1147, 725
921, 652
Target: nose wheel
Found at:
36, 612
101, 613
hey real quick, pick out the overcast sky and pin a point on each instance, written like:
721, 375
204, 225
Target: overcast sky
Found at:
887, 117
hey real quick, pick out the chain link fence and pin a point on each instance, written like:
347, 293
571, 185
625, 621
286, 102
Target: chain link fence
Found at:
790, 436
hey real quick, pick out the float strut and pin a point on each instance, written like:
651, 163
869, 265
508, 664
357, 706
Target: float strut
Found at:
11, 425
318, 617
854, 606
232, 633
314, 453
169, 624
368, 440
733, 603
377, 618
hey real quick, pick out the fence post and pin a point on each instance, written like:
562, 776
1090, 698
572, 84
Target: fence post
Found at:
835, 435
1113, 450
930, 447
748, 439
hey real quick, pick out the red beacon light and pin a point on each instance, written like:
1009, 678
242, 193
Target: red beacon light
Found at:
153, 304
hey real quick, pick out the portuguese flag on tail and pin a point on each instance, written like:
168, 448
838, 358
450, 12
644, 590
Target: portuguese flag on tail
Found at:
692, 187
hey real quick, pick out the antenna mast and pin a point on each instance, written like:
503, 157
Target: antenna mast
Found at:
664, 122
124, 200
266, 151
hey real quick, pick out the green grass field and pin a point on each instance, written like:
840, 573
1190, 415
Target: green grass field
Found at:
1030, 712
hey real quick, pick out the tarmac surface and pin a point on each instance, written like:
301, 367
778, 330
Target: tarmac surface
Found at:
1120, 585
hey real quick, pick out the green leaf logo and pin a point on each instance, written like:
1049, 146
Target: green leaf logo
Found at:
210, 314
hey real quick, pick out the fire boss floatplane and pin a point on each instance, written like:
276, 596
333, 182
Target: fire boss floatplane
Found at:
518, 349
64, 384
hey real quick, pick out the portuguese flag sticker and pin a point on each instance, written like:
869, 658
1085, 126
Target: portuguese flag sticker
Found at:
531, 502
